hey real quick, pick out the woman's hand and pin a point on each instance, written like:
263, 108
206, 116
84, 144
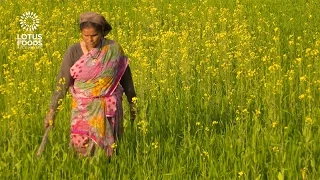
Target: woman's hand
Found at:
48, 121
133, 111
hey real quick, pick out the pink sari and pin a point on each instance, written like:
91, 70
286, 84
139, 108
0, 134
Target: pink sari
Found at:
97, 114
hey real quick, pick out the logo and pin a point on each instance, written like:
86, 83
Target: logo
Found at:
29, 21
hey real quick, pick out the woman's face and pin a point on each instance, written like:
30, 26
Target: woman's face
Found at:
91, 37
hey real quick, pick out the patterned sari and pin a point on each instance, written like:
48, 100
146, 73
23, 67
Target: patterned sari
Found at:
97, 114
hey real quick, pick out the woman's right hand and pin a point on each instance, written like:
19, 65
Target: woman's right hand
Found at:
49, 120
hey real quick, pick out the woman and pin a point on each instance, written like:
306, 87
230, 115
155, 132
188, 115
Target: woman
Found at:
97, 72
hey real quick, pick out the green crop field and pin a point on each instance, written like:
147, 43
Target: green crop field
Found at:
226, 89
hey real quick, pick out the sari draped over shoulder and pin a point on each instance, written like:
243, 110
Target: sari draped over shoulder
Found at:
97, 112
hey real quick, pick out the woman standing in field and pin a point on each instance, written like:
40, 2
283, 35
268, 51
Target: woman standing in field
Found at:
97, 72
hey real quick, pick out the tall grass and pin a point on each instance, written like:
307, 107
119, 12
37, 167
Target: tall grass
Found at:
226, 90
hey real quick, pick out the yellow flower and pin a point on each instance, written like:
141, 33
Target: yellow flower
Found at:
298, 60
134, 100
142, 125
62, 81
304, 173
274, 124
214, 122
308, 120
303, 78
205, 155
113, 146
302, 96
241, 173
257, 112
275, 149
155, 145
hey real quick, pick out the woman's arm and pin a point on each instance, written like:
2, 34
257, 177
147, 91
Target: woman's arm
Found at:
63, 82
63, 79
127, 84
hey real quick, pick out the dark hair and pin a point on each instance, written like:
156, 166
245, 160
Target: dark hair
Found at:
95, 26
104, 30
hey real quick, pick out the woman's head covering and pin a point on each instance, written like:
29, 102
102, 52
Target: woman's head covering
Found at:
96, 18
